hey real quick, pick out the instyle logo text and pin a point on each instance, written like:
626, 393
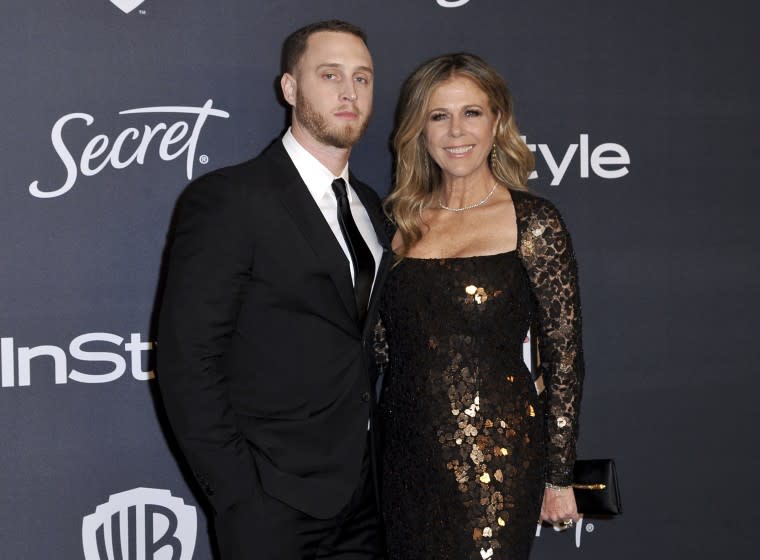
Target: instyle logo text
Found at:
608, 160
105, 356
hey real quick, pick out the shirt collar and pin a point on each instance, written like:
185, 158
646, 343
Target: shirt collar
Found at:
317, 177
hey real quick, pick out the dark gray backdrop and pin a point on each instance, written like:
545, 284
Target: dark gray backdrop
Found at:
668, 252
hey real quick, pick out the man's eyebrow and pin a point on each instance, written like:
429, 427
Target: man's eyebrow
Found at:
340, 66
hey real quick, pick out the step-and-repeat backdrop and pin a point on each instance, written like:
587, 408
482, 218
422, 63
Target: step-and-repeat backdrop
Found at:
643, 117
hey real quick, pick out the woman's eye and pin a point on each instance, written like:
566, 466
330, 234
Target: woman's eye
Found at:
437, 116
473, 113
329, 76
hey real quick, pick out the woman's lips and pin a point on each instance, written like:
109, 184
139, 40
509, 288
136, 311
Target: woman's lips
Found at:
459, 151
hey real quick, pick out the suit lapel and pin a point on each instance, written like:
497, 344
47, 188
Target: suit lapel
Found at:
374, 211
309, 218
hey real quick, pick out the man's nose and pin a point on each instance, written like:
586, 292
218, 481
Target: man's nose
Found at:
349, 92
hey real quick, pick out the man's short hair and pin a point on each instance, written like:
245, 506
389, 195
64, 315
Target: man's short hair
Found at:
295, 44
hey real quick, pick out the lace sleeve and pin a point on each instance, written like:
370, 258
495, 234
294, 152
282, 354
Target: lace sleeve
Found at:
547, 254
380, 347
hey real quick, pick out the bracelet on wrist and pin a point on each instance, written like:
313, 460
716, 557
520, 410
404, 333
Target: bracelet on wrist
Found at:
556, 487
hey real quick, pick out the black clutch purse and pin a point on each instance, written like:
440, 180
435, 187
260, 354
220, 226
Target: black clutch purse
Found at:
595, 485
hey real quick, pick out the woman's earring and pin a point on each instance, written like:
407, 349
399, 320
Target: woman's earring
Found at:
493, 156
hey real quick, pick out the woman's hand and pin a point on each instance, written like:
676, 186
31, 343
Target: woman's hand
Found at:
559, 508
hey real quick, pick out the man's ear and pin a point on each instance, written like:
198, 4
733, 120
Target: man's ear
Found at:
289, 85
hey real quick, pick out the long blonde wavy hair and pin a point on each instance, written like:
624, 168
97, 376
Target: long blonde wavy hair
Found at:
418, 177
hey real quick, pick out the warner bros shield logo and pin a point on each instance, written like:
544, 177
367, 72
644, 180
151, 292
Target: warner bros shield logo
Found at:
126, 6
140, 524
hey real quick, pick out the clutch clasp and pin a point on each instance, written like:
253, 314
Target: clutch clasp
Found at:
590, 486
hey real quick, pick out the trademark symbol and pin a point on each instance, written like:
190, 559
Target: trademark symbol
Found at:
203, 159
589, 527
142, 12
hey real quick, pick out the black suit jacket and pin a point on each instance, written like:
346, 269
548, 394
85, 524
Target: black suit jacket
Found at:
264, 371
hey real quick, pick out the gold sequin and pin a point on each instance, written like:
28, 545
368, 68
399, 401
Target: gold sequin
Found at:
476, 455
566, 363
485, 478
527, 246
501, 522
478, 294
511, 378
474, 407
460, 472
561, 422
531, 410
486, 554
487, 532
498, 475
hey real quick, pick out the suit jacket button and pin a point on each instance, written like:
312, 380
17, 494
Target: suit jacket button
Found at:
365, 396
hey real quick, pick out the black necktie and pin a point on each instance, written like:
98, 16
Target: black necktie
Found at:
361, 256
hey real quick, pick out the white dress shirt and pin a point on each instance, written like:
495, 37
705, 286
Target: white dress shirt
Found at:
319, 180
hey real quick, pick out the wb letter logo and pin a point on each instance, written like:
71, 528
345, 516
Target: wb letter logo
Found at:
126, 6
141, 524
449, 3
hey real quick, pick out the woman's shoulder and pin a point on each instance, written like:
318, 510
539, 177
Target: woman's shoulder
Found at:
530, 207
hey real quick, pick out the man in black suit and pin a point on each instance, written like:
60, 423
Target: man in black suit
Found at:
265, 326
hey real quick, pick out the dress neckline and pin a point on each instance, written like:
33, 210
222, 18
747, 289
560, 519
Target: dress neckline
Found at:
491, 255
514, 194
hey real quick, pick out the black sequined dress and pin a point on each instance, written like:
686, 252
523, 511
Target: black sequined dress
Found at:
468, 442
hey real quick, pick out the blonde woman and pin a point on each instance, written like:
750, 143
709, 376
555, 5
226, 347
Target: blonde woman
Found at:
473, 456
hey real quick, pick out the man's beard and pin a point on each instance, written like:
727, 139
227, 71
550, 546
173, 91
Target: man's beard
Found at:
314, 122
